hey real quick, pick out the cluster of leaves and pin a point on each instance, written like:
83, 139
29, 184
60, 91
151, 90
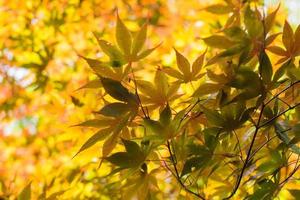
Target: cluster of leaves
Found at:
237, 130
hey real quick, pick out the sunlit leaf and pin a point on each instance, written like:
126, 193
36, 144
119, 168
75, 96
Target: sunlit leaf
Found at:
96, 123
123, 36
99, 67
277, 50
287, 36
139, 40
182, 63
98, 136
91, 84
146, 52
172, 72
270, 19
198, 63
112, 51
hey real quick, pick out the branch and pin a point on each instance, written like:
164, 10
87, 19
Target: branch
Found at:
274, 97
275, 117
177, 176
136, 92
249, 155
188, 112
239, 179
290, 176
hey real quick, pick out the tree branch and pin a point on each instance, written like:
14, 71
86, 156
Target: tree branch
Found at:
177, 176
239, 179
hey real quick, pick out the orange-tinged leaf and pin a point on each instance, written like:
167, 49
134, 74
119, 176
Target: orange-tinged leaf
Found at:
277, 50
281, 60
139, 40
213, 60
199, 76
270, 19
287, 36
271, 38
297, 40
123, 36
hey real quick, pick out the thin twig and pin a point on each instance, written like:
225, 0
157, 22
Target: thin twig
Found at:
136, 91
177, 176
275, 117
239, 145
282, 91
239, 179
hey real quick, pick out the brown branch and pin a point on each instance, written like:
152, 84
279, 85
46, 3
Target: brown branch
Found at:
239, 179
136, 92
177, 176
282, 91
239, 146
290, 176
275, 117
188, 112
249, 155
